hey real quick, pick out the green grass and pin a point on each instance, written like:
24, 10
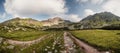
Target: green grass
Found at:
23, 35
48, 45
53, 43
101, 39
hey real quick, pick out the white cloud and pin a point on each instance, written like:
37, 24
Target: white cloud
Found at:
96, 1
112, 6
73, 18
30, 7
88, 12
92, 1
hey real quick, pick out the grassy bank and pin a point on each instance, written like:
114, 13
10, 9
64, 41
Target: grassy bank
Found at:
101, 39
23, 35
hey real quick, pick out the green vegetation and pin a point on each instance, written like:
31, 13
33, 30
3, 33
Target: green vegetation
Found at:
112, 27
53, 43
101, 39
5, 47
21, 35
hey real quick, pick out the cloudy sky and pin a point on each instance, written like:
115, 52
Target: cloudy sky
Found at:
73, 10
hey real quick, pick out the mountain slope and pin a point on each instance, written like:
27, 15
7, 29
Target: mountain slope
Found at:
18, 23
54, 21
99, 20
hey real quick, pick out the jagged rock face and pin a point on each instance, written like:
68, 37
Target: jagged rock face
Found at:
52, 21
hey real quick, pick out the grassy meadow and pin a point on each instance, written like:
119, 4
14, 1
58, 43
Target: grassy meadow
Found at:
104, 40
54, 44
23, 35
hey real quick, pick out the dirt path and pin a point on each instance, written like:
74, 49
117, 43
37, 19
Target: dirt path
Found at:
26, 43
70, 46
85, 47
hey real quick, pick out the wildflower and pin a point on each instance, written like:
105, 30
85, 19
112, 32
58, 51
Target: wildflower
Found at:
107, 52
47, 46
46, 49
56, 51
10, 47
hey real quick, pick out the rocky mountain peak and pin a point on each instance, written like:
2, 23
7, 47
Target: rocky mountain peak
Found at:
52, 21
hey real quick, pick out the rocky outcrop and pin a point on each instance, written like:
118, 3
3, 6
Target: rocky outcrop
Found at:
52, 21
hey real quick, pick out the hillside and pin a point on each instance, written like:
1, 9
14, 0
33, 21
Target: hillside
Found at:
54, 21
29, 23
100, 20
18, 23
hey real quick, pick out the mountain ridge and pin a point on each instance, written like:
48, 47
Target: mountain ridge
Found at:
99, 20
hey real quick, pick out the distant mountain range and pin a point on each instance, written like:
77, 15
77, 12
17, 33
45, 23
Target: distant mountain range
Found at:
97, 20
16, 23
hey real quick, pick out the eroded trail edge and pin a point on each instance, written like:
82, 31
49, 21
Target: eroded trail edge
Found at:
27, 43
70, 45
84, 47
